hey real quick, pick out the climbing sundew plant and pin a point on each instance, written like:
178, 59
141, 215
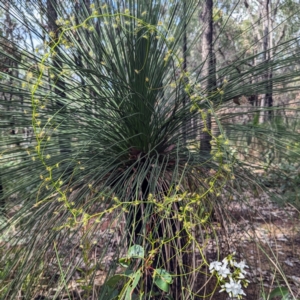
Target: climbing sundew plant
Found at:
106, 187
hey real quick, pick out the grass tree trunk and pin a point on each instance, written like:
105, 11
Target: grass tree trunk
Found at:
208, 71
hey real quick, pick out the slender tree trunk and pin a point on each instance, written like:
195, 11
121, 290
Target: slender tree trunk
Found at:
269, 96
267, 100
208, 71
185, 99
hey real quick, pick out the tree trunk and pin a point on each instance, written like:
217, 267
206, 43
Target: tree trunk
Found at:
208, 71
186, 123
269, 95
267, 99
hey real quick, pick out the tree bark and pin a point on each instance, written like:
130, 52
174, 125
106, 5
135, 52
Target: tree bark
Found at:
186, 80
267, 99
208, 71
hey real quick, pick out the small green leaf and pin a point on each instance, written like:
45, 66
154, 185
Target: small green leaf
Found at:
161, 284
162, 279
136, 278
128, 272
114, 280
136, 251
114, 295
280, 291
164, 274
124, 262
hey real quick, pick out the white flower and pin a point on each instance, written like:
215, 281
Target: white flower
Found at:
225, 261
241, 265
233, 288
220, 268
224, 271
215, 266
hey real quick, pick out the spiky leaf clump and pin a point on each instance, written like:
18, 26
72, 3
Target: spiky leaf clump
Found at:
112, 123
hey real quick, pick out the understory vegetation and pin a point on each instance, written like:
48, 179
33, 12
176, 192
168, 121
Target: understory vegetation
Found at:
149, 150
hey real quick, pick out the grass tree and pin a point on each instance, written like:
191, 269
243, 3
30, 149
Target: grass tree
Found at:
111, 145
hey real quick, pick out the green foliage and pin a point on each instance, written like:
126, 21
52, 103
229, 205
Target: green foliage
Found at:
162, 279
286, 179
131, 281
115, 120
136, 251
282, 292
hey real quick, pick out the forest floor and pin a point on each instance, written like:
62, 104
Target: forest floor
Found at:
262, 233
267, 237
